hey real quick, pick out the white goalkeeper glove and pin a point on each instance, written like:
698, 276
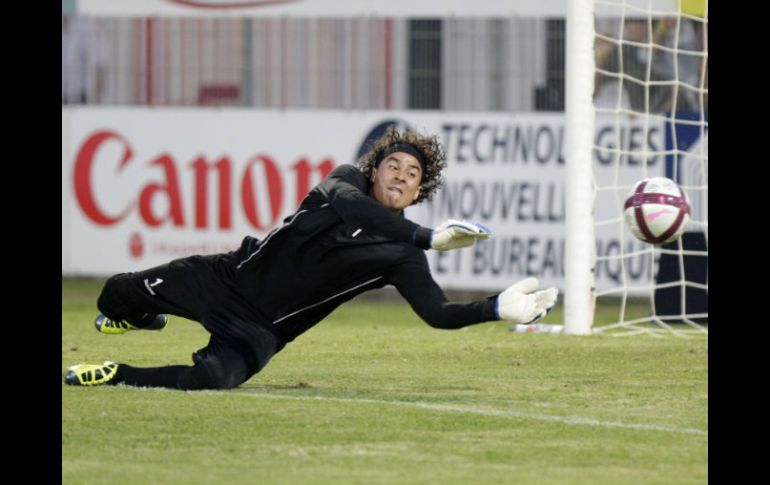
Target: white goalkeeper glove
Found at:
453, 234
521, 302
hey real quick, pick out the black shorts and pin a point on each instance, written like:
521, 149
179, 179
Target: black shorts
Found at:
198, 288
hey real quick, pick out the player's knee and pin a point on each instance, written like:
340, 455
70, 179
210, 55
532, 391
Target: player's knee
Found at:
216, 372
113, 300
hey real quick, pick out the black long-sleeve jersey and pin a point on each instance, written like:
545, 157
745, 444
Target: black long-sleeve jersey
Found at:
339, 243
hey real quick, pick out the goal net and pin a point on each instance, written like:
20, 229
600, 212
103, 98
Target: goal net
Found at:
651, 119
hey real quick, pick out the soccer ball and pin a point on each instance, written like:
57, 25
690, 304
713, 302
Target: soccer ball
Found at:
657, 210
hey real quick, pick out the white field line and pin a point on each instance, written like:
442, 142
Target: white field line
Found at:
453, 408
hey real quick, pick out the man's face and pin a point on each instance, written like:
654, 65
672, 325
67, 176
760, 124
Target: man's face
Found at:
396, 181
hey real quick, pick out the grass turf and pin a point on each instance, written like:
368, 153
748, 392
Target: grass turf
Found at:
373, 395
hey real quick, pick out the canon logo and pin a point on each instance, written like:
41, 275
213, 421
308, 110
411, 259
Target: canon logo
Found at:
205, 174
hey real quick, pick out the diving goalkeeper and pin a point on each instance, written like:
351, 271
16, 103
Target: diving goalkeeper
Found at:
348, 236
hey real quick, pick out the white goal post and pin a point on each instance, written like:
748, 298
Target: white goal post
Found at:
636, 107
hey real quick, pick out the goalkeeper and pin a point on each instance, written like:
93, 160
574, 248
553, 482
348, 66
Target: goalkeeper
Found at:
348, 236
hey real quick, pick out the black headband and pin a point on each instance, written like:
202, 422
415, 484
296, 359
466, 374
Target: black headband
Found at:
406, 148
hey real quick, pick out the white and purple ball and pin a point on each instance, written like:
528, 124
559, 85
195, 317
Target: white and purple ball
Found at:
657, 210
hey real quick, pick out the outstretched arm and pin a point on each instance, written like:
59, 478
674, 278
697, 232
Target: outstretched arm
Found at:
415, 283
346, 190
520, 303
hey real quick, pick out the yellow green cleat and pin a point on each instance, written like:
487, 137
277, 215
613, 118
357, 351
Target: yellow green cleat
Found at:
119, 327
91, 374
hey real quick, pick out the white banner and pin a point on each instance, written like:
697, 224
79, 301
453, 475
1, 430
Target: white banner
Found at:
507, 172
143, 186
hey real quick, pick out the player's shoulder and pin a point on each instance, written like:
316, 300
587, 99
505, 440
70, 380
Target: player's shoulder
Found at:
346, 174
346, 170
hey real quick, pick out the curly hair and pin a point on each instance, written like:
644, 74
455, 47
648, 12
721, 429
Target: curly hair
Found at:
427, 145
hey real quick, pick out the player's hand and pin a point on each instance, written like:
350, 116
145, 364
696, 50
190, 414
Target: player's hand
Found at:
453, 234
522, 303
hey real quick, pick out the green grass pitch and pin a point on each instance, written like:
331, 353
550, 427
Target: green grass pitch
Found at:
374, 396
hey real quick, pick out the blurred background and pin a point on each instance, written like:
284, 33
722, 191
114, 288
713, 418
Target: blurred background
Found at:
189, 124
